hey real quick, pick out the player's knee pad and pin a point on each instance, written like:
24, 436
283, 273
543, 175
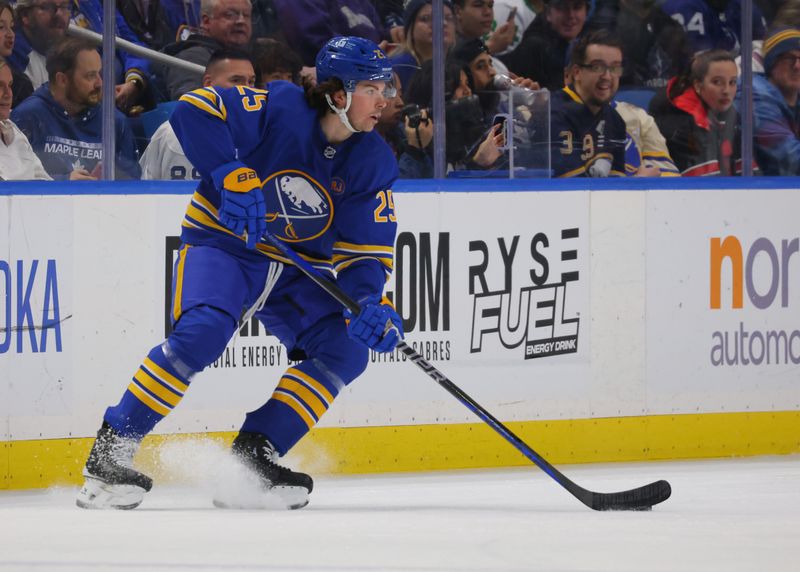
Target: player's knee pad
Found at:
200, 336
333, 351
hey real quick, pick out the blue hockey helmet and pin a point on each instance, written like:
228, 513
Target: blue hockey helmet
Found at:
352, 59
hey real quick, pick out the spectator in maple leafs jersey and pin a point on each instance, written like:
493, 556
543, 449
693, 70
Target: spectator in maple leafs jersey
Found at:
588, 135
714, 24
62, 118
304, 164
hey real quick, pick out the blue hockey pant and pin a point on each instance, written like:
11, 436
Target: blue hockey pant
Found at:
210, 290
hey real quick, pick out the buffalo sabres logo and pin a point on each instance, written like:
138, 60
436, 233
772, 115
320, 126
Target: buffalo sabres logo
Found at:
298, 207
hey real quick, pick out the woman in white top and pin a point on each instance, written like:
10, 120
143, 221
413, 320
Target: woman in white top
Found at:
17, 159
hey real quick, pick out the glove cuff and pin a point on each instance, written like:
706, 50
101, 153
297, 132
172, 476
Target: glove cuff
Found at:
235, 177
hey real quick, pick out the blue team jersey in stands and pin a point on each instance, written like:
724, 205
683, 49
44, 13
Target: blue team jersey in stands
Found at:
579, 138
333, 203
708, 29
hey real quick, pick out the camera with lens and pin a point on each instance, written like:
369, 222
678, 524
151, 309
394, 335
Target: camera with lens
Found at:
413, 113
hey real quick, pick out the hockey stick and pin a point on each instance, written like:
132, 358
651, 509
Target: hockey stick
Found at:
641, 498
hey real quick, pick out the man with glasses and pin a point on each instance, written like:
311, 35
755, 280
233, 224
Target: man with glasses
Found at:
587, 134
776, 109
62, 118
41, 24
223, 24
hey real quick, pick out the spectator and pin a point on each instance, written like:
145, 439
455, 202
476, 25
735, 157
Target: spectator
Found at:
714, 24
418, 47
17, 159
390, 125
646, 154
474, 19
133, 71
224, 24
150, 22
696, 115
475, 55
776, 108
391, 14
588, 135
274, 60
655, 46
164, 158
308, 24
521, 12
21, 86
469, 144
62, 118
542, 53
41, 24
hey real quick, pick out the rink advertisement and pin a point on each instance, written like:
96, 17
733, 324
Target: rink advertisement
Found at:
492, 297
722, 281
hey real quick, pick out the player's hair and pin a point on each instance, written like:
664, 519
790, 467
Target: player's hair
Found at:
207, 6
595, 38
273, 55
228, 54
62, 56
315, 95
697, 69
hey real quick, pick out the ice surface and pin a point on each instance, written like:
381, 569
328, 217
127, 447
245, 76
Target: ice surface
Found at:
725, 515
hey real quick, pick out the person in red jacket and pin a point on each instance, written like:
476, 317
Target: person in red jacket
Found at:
697, 117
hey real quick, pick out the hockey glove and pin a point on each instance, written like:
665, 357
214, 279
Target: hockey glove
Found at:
242, 208
378, 326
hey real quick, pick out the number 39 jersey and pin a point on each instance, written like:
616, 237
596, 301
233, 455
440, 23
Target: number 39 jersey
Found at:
580, 138
333, 203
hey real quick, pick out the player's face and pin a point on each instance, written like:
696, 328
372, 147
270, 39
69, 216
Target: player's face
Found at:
422, 29
229, 73
85, 84
475, 18
230, 22
483, 71
597, 80
5, 92
567, 17
367, 105
47, 20
394, 106
786, 72
718, 87
6, 32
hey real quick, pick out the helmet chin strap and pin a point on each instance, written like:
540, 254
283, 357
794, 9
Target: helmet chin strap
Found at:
342, 113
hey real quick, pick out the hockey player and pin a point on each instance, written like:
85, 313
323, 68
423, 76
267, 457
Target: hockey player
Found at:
588, 135
308, 167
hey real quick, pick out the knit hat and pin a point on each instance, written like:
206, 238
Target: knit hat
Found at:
780, 42
414, 6
468, 50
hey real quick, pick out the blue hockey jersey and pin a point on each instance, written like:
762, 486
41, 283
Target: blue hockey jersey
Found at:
708, 29
332, 203
579, 138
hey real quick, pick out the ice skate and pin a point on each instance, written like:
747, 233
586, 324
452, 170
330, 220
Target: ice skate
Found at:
111, 481
276, 487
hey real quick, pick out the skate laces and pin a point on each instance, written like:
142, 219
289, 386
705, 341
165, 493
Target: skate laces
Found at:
121, 451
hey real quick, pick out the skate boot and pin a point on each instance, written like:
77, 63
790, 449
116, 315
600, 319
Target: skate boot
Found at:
111, 481
278, 486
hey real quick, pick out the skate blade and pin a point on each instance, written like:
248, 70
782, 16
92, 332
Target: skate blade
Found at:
99, 495
274, 498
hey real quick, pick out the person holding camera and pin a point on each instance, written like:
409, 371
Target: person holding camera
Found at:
469, 144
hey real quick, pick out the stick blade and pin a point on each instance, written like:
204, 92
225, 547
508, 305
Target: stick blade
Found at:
641, 498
